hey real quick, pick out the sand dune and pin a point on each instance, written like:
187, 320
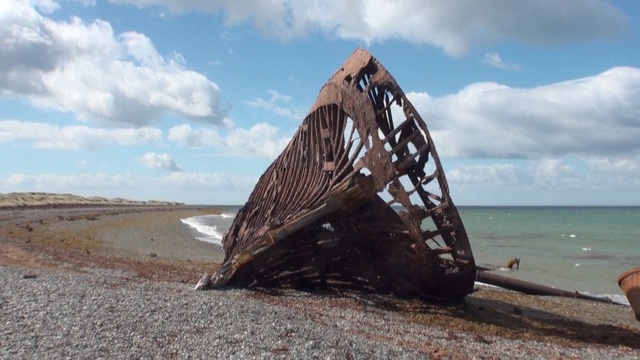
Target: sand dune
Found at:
42, 199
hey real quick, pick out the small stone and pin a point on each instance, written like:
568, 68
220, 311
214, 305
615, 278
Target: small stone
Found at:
516, 311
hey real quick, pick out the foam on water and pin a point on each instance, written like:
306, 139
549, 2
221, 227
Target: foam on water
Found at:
228, 215
206, 230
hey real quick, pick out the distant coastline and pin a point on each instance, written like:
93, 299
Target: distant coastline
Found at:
43, 199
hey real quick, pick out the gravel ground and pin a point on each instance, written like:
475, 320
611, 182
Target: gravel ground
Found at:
102, 316
110, 314
82, 284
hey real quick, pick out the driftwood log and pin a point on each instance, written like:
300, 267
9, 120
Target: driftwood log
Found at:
358, 199
486, 276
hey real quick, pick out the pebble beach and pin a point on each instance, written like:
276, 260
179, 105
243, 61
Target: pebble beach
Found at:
115, 281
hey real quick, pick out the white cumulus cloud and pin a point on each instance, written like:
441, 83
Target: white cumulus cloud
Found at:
203, 181
454, 26
277, 104
47, 136
159, 161
496, 175
597, 115
90, 71
539, 175
554, 173
196, 138
261, 140
496, 60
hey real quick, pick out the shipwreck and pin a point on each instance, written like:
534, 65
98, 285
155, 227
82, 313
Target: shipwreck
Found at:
358, 199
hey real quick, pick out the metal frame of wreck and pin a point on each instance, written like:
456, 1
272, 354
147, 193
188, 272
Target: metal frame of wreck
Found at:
321, 215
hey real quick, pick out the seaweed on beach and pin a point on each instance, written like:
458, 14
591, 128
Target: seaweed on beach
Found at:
347, 202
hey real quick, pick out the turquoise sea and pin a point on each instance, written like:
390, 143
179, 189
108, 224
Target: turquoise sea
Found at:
572, 248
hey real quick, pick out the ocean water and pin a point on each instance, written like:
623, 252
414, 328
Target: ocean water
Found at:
572, 248
211, 228
581, 249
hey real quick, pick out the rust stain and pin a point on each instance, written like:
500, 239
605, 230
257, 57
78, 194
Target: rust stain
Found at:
358, 199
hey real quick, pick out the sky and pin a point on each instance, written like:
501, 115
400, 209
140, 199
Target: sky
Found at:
531, 102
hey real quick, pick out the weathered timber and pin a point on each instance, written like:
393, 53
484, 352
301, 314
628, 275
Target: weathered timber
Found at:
358, 199
530, 288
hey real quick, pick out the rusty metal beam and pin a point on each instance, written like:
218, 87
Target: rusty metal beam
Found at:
357, 199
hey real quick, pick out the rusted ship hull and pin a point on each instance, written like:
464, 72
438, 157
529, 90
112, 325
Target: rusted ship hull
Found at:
347, 202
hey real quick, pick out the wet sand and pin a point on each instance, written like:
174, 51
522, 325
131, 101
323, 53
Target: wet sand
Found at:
149, 240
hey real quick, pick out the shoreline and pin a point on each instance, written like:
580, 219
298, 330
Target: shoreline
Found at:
149, 240
110, 250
